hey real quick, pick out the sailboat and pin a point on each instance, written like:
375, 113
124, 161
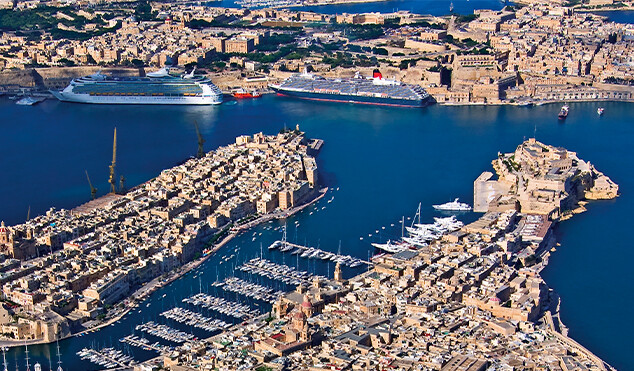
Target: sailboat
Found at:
59, 359
4, 358
451, 7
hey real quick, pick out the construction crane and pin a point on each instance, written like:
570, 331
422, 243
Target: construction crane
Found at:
201, 141
112, 180
93, 190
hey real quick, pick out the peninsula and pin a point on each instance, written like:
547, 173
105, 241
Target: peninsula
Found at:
71, 270
469, 299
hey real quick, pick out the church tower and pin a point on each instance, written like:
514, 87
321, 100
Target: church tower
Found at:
338, 276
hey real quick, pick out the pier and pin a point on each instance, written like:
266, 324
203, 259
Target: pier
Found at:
106, 357
144, 344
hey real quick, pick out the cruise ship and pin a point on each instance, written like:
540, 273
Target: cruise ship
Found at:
158, 87
364, 90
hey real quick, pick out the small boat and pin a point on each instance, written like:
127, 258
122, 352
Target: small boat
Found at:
29, 101
600, 111
563, 113
243, 94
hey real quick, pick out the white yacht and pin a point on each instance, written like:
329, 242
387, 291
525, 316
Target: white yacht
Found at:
454, 205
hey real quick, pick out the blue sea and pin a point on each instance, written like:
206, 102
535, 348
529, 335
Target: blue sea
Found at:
379, 164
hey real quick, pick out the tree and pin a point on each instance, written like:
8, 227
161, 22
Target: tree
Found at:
66, 62
143, 11
380, 51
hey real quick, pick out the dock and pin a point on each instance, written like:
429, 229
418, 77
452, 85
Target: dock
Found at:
107, 357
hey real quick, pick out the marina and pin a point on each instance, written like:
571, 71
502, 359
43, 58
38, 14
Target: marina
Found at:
249, 289
194, 319
165, 332
221, 305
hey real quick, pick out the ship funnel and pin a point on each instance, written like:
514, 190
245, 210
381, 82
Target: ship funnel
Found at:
377, 74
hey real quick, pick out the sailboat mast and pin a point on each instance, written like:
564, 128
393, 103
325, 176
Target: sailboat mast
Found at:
59, 359
26, 350
4, 358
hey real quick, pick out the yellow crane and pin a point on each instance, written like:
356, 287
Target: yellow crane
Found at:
201, 141
112, 180
93, 190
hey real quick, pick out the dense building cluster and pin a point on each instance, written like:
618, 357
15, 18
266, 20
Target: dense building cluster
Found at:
60, 269
471, 300
540, 52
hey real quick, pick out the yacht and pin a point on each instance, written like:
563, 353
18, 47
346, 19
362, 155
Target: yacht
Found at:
454, 205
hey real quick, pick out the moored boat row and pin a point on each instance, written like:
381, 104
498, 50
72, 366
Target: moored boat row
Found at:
221, 305
316, 253
249, 289
106, 357
278, 272
143, 343
165, 332
182, 315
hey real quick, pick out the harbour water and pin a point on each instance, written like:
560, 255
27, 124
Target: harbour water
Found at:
433, 7
379, 164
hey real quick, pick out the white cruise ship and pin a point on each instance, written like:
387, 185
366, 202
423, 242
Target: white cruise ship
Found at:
158, 87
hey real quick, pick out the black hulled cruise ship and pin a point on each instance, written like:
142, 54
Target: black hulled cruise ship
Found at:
364, 90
